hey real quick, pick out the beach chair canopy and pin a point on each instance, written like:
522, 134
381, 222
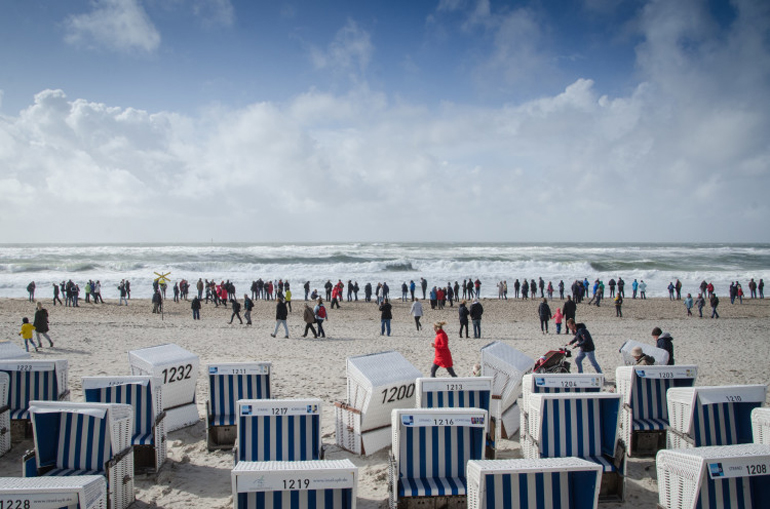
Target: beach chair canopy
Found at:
229, 382
79, 492
34, 379
454, 392
10, 350
506, 366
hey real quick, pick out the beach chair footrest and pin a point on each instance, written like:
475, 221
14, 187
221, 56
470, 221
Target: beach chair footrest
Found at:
21, 429
612, 488
453, 502
647, 443
222, 437
145, 459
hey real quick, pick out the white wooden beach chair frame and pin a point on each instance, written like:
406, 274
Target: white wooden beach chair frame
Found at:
256, 483
760, 425
235, 380
82, 491
5, 414
506, 366
451, 463
118, 470
686, 479
718, 409
487, 478
648, 412
376, 385
148, 457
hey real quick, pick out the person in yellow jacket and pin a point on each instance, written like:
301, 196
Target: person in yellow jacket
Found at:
26, 333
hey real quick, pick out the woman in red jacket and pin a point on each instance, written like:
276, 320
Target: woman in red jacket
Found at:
443, 358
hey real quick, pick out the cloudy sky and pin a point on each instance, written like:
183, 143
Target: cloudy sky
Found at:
443, 120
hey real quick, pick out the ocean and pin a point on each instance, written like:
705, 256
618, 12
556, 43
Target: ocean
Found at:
394, 263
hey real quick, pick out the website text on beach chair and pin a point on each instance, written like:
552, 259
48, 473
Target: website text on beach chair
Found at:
376, 384
73, 439
457, 392
5, 415
229, 382
429, 452
144, 394
506, 366
547, 483
295, 484
279, 430
33, 379
702, 416
76, 492
717, 477
552, 383
178, 371
660, 355
583, 425
760, 425
644, 420
10, 350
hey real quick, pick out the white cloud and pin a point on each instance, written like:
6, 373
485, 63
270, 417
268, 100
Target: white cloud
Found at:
214, 12
121, 25
349, 52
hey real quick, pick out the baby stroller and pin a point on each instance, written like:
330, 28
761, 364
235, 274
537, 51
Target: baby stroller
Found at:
554, 361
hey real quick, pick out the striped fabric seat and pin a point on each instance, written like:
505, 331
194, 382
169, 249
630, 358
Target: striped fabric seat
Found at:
650, 424
460, 399
317, 499
226, 390
139, 397
648, 403
84, 443
433, 459
26, 386
68, 472
734, 493
537, 490
279, 438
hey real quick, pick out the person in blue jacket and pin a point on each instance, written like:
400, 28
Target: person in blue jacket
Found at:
585, 342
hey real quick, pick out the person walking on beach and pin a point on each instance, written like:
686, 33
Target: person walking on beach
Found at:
236, 307
642, 289
761, 288
476, 311
424, 286
585, 342
41, 324
320, 315
569, 309
464, 314
442, 357
56, 294
416, 312
26, 334
618, 306
688, 304
281, 313
123, 293
558, 318
700, 302
248, 305
544, 311
31, 291
309, 317
386, 315
157, 302
714, 301
664, 341
634, 288
196, 308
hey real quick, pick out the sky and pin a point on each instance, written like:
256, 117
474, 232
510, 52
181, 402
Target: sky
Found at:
443, 120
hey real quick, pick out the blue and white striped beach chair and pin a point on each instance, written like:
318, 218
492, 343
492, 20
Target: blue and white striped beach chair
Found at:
552, 383
295, 485
456, 392
73, 439
75, 492
429, 453
227, 384
506, 365
33, 379
144, 394
703, 416
583, 425
5, 415
717, 477
760, 425
644, 420
279, 430
547, 483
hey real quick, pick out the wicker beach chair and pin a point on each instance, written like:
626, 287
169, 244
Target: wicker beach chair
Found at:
178, 371
506, 366
583, 425
76, 492
760, 425
144, 394
703, 416
227, 384
279, 430
660, 355
429, 451
644, 420
717, 477
552, 383
74, 439
10, 350
547, 483
5, 414
376, 384
33, 379
456, 392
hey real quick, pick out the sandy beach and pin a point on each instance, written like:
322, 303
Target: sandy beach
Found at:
96, 338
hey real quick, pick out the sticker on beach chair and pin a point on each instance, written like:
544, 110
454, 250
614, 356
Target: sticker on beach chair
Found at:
38, 500
668, 373
27, 366
296, 480
449, 386
567, 382
289, 408
421, 420
749, 466
240, 369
